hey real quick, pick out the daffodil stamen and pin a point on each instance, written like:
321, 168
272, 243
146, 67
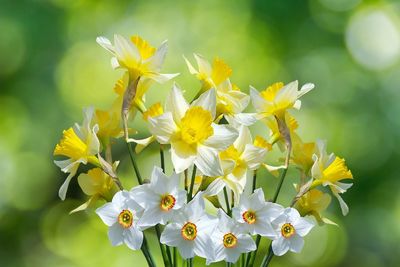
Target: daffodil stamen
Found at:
196, 125
230, 240
125, 218
249, 216
287, 230
167, 202
189, 231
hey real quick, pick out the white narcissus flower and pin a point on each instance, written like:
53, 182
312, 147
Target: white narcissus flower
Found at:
329, 170
236, 160
81, 145
230, 240
278, 98
122, 217
256, 215
190, 229
193, 135
290, 228
161, 198
137, 56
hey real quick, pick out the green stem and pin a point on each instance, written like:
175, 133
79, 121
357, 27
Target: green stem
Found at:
175, 255
228, 209
189, 262
166, 260
267, 259
134, 164
190, 194
146, 253
162, 158
254, 181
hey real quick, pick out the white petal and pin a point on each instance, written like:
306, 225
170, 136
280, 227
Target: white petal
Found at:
253, 156
157, 60
245, 119
215, 187
203, 64
280, 246
296, 243
246, 243
182, 156
305, 89
114, 63
105, 43
151, 217
72, 168
186, 249
207, 101
243, 139
115, 234
176, 103
160, 77
258, 101
192, 70
343, 205
288, 93
141, 143
223, 136
207, 161
133, 238
108, 213
171, 235
162, 127
203, 246
125, 50
303, 226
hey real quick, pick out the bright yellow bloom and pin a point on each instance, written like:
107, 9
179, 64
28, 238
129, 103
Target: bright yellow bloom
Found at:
80, 145
261, 142
314, 202
302, 154
277, 98
329, 170
196, 126
153, 111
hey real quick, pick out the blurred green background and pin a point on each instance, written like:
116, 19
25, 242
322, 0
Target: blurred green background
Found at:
51, 67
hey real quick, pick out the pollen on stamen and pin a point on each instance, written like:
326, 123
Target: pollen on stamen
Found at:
167, 202
189, 231
249, 216
125, 218
230, 240
287, 230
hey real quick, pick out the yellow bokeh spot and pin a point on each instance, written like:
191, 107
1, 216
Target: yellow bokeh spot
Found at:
196, 125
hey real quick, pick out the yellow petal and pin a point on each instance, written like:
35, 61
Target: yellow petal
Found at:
336, 171
145, 49
220, 71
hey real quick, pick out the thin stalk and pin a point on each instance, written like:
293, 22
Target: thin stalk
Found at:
189, 262
186, 180
228, 208
134, 164
190, 194
242, 260
162, 158
254, 181
166, 260
175, 255
267, 259
146, 253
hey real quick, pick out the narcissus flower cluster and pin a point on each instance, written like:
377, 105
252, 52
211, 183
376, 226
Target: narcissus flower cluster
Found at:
210, 204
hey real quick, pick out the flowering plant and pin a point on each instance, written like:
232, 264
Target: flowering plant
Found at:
210, 136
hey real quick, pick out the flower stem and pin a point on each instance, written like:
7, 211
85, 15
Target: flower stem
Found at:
134, 164
190, 194
228, 209
167, 262
146, 253
162, 158
254, 181
175, 255
267, 259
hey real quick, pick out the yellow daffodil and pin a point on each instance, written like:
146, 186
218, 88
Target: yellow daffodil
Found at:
278, 98
275, 134
190, 130
137, 56
329, 170
314, 202
302, 154
98, 185
230, 100
81, 145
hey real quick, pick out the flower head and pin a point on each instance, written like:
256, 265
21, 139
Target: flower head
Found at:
255, 214
137, 56
122, 217
277, 98
161, 198
190, 130
290, 228
314, 202
81, 145
230, 239
329, 170
190, 229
